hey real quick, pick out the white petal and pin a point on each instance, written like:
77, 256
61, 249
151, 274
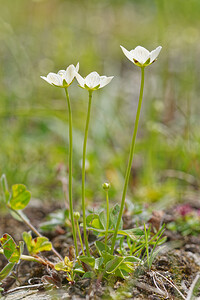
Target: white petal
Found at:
104, 80
70, 74
61, 72
154, 54
77, 67
80, 80
45, 78
127, 53
92, 80
55, 79
140, 54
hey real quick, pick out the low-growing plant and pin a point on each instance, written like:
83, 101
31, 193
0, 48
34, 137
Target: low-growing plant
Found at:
116, 251
187, 221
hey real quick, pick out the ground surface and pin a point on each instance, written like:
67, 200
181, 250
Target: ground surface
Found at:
173, 270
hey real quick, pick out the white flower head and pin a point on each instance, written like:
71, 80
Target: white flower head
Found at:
93, 81
140, 56
63, 78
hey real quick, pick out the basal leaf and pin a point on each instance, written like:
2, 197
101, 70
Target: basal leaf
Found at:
98, 263
87, 260
101, 247
41, 244
132, 259
121, 273
93, 221
4, 184
89, 274
102, 219
20, 197
36, 245
114, 264
114, 216
6, 270
11, 251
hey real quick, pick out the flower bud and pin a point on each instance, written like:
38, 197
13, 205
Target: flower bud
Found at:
76, 215
106, 186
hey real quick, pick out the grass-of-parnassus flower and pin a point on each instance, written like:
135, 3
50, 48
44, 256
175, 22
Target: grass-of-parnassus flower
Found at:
63, 79
91, 82
142, 58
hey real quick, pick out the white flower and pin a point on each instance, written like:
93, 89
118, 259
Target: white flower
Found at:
141, 56
63, 78
93, 81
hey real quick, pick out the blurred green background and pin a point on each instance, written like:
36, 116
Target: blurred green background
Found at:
38, 37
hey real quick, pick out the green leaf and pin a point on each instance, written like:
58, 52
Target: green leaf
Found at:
101, 247
98, 263
89, 274
131, 259
121, 273
36, 245
114, 264
114, 216
132, 233
90, 261
11, 251
102, 219
107, 257
16, 215
93, 221
128, 267
20, 197
4, 184
6, 270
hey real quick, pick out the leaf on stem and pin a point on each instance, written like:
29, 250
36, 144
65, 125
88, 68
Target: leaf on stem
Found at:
20, 197
11, 251
36, 245
6, 270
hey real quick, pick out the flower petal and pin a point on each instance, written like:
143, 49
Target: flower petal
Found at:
154, 54
140, 54
77, 67
104, 80
127, 53
70, 74
61, 72
80, 80
45, 78
92, 80
55, 79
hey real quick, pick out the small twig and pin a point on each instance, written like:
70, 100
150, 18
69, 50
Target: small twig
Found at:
32, 286
192, 287
172, 284
26, 221
165, 291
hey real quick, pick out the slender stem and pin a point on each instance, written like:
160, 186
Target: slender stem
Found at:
107, 221
146, 244
83, 173
70, 173
128, 170
27, 222
27, 257
80, 238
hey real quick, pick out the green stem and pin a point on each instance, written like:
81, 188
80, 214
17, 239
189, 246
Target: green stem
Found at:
83, 173
27, 257
28, 223
128, 170
80, 238
107, 221
70, 173
146, 244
